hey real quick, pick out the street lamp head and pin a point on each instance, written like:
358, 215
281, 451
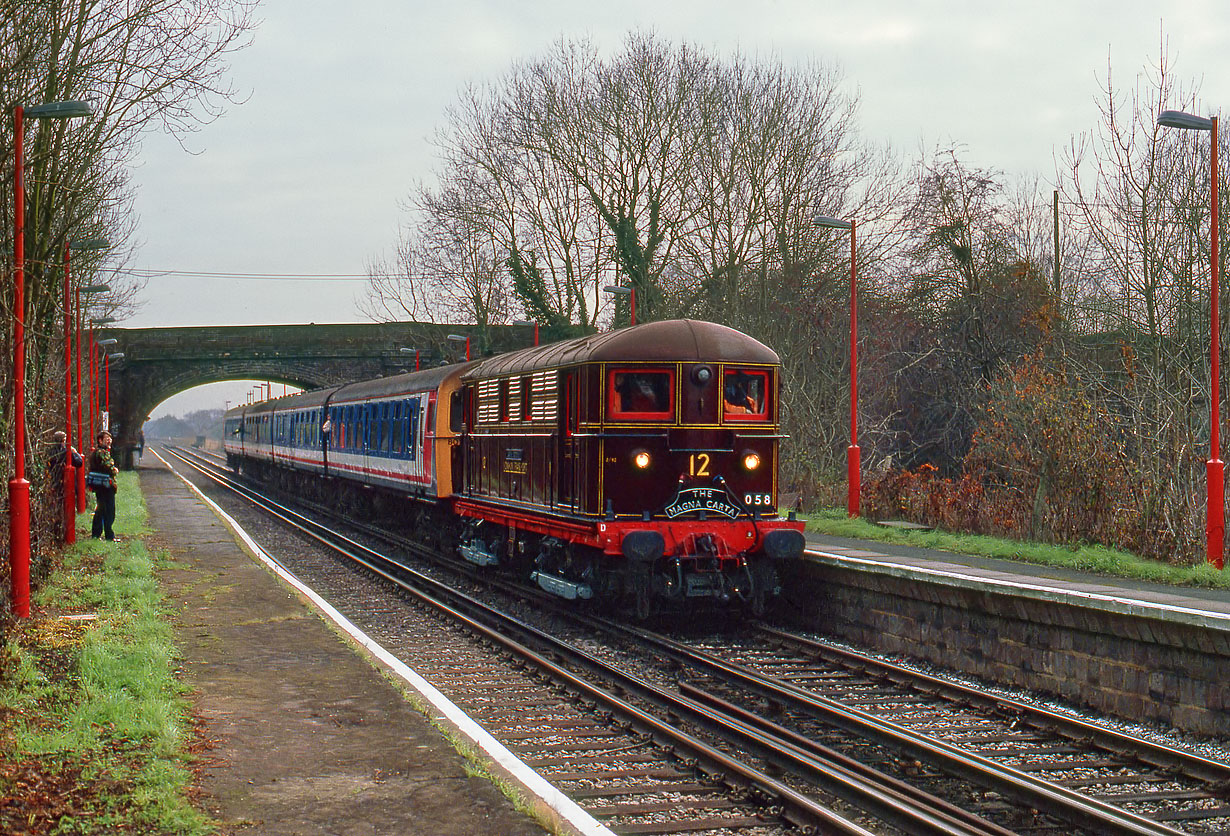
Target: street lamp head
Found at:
102, 320
96, 288
110, 341
119, 355
456, 338
58, 110
1179, 119
407, 350
89, 244
623, 291
830, 223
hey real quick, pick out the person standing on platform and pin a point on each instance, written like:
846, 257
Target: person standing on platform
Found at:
140, 444
60, 451
104, 495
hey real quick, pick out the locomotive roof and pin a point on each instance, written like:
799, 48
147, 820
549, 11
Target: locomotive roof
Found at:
672, 340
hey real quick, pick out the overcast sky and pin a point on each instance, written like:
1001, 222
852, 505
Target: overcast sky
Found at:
307, 177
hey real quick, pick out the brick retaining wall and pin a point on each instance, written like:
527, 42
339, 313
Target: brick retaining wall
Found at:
1132, 666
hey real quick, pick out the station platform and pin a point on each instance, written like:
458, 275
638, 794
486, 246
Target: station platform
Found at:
1189, 605
305, 735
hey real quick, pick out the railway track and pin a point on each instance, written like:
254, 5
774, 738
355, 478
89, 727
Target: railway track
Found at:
636, 773
890, 751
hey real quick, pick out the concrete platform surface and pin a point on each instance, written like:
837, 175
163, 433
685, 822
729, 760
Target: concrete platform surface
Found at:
1192, 605
310, 737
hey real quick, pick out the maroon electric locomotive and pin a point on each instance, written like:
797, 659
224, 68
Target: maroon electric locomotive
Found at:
639, 463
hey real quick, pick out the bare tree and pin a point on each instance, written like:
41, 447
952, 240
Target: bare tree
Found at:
1119, 178
449, 270
691, 178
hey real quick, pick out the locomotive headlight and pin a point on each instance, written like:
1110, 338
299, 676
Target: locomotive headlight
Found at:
641, 459
751, 461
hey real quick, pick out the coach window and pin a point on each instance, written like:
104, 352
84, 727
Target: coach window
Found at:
745, 395
527, 385
503, 396
639, 394
413, 427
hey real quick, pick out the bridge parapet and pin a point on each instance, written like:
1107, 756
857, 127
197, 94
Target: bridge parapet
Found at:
161, 362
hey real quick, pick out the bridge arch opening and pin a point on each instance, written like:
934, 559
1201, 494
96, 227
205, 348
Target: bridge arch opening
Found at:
197, 411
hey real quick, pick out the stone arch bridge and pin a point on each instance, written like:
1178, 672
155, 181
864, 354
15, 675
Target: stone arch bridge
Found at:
161, 362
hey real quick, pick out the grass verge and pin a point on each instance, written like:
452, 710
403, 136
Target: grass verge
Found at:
94, 727
1097, 559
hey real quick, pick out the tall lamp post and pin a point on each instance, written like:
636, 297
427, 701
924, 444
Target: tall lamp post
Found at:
457, 338
1215, 520
71, 478
97, 346
630, 292
853, 455
119, 355
417, 355
19, 487
533, 322
93, 363
82, 440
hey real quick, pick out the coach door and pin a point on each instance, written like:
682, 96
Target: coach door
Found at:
566, 451
457, 449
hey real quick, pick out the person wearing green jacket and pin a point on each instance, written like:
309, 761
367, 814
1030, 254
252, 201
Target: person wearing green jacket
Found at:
104, 496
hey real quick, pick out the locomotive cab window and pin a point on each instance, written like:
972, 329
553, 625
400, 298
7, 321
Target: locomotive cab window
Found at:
745, 395
640, 394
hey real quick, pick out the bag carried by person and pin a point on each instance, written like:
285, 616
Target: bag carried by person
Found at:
94, 480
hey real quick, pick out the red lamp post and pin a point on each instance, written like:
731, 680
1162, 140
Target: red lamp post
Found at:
533, 322
1215, 519
119, 355
19, 487
853, 454
81, 440
94, 391
91, 387
74, 478
74, 491
630, 292
457, 338
70, 472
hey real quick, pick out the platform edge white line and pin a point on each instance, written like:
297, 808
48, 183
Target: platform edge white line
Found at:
547, 794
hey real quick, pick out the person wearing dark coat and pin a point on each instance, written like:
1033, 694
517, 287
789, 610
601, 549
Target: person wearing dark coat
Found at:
104, 496
60, 450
